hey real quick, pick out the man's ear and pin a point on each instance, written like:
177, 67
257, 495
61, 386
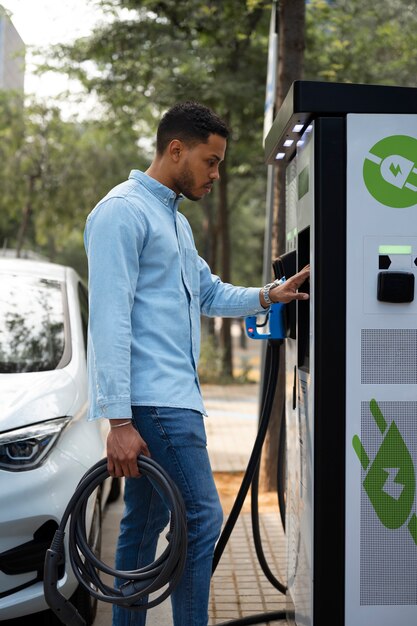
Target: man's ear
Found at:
175, 148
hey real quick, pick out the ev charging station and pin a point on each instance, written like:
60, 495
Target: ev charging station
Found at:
350, 153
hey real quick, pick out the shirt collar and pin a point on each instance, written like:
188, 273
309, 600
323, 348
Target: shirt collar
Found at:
163, 193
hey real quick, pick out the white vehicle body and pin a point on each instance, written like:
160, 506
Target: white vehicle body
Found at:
46, 442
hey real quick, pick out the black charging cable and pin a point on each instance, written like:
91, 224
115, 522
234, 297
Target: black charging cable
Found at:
251, 480
166, 571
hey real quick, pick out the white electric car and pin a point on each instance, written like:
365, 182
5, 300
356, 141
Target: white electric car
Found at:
46, 443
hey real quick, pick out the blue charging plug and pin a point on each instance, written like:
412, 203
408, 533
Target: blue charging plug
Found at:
276, 319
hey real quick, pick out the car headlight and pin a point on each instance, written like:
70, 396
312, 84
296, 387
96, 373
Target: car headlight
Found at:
26, 448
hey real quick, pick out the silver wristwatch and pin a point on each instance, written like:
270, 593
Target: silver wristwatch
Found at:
266, 289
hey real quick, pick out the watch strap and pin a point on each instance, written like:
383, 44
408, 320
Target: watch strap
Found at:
266, 289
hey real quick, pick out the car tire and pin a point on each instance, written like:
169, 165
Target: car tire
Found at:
115, 490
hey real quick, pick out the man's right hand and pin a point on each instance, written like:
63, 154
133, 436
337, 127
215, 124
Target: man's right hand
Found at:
124, 444
288, 290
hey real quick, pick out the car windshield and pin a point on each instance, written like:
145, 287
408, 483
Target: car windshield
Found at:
31, 324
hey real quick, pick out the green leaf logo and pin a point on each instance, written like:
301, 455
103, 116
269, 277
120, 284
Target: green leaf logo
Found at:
390, 171
390, 479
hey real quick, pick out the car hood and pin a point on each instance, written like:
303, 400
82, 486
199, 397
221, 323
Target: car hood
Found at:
28, 398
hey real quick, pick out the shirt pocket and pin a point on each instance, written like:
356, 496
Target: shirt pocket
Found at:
191, 272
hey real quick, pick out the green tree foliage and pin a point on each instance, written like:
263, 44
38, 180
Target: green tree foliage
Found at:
152, 53
362, 41
11, 141
157, 52
53, 172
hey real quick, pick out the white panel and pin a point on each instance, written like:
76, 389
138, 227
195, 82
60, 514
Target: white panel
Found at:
381, 374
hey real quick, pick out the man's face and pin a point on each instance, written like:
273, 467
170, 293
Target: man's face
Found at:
198, 167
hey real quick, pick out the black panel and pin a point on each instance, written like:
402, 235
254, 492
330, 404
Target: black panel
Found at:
308, 99
329, 269
286, 265
303, 345
384, 261
341, 98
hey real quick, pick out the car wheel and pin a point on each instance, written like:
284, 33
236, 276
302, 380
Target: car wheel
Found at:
85, 604
115, 490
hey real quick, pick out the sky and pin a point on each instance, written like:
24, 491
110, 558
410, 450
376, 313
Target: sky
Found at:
47, 22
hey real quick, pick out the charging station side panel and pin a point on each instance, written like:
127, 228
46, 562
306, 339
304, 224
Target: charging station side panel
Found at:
299, 426
315, 365
294, 503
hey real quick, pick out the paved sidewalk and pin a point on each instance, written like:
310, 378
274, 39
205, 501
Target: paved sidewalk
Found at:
239, 587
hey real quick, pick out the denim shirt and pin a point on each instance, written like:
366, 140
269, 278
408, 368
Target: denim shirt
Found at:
147, 289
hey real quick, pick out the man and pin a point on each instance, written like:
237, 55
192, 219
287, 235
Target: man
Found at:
148, 288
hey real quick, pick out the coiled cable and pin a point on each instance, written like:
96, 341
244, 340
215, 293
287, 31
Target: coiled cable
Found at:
165, 571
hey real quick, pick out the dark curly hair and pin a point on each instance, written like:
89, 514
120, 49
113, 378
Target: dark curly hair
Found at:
191, 122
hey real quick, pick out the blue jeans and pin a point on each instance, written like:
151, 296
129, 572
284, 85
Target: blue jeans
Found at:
176, 439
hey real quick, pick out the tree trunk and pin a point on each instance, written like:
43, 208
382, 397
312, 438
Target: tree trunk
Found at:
23, 228
224, 236
291, 39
